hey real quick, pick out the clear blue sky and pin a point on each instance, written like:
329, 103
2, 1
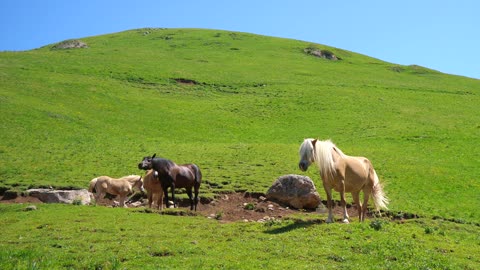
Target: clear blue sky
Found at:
442, 35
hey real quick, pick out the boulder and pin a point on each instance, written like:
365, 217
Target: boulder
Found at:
81, 196
70, 44
297, 191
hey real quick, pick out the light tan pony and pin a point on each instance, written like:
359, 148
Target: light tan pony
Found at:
154, 189
121, 187
343, 174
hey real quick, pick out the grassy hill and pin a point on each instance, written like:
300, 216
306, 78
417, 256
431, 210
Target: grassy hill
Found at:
238, 105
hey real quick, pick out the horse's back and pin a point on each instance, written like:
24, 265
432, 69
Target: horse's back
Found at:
354, 171
187, 175
151, 184
357, 166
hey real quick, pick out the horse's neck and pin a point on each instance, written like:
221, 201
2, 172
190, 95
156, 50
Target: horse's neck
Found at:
329, 158
336, 154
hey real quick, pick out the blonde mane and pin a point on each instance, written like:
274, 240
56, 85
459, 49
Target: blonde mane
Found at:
324, 157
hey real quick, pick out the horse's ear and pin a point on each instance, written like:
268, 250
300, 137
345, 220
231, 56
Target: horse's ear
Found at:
154, 155
314, 141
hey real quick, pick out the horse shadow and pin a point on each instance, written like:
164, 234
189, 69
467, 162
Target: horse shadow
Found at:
297, 224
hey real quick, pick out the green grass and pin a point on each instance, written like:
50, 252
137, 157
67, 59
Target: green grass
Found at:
70, 115
88, 237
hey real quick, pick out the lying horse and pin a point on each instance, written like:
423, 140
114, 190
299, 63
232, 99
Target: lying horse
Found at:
171, 175
343, 174
154, 189
121, 187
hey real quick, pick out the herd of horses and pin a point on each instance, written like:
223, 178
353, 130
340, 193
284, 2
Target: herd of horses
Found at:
161, 174
337, 170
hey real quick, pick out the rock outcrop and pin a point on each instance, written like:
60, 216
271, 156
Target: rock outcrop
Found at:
81, 196
297, 191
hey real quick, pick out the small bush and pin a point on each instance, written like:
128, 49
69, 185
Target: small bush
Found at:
249, 206
429, 230
376, 224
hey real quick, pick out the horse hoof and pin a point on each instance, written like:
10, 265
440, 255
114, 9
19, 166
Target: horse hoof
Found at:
345, 221
329, 221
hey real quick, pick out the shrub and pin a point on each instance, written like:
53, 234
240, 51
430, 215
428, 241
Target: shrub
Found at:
249, 206
376, 224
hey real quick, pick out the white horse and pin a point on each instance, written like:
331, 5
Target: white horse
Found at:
121, 187
343, 174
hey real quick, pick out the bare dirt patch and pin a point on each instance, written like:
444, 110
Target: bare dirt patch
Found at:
230, 207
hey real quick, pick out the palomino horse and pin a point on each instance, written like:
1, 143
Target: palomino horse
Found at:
154, 189
121, 187
171, 175
344, 174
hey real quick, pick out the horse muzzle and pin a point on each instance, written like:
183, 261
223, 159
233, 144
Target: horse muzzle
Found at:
303, 165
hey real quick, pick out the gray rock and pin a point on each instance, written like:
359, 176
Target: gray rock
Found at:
31, 208
81, 196
297, 191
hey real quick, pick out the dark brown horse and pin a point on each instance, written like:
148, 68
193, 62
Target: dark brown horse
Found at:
171, 175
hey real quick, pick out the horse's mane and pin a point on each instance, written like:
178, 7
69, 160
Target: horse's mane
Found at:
162, 165
324, 157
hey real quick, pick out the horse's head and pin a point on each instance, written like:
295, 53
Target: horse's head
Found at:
146, 163
306, 152
139, 184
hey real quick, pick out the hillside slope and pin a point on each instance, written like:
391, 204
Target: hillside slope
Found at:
238, 105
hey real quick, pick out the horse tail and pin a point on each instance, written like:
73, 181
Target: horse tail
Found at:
197, 174
93, 183
379, 198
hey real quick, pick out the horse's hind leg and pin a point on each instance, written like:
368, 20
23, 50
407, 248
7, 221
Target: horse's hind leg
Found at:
173, 196
366, 196
356, 200
196, 197
190, 196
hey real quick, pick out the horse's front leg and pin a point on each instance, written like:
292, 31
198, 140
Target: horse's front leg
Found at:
160, 201
101, 198
165, 196
122, 201
328, 191
97, 198
150, 198
344, 205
